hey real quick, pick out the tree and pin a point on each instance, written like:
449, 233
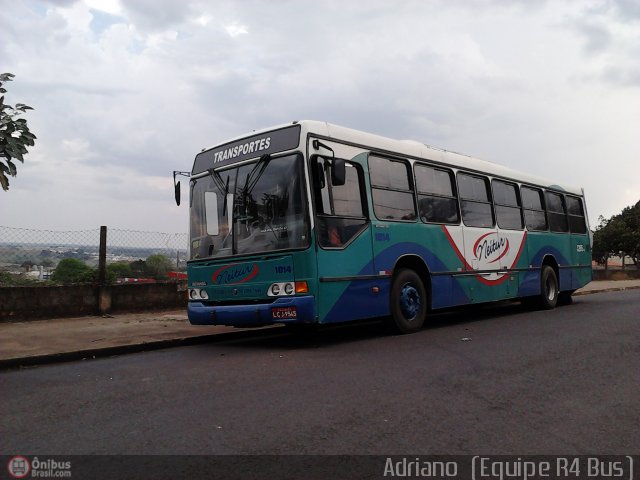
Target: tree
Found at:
15, 136
629, 241
72, 270
158, 266
138, 268
618, 235
119, 270
47, 263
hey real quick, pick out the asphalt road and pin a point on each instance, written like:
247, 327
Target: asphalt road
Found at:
500, 380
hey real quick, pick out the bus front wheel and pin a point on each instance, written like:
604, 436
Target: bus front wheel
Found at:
408, 302
549, 290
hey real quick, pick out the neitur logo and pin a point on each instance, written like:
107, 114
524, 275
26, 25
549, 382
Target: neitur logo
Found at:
233, 274
490, 247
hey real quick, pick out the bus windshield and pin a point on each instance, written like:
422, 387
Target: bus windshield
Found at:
254, 208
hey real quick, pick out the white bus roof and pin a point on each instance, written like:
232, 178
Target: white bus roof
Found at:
414, 149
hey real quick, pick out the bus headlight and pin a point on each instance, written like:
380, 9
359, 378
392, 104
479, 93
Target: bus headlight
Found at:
198, 294
281, 289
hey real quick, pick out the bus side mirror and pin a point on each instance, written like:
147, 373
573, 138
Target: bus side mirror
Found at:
177, 193
338, 172
176, 185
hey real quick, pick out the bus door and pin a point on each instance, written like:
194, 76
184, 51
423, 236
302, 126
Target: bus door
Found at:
511, 237
343, 239
395, 229
483, 245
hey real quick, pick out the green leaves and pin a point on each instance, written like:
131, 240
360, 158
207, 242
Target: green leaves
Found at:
15, 135
618, 235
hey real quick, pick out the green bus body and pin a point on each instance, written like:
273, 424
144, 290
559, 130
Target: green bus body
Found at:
278, 237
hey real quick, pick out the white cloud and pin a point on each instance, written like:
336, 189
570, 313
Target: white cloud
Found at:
112, 7
235, 29
203, 20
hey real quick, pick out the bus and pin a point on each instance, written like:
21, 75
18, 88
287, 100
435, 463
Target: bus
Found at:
313, 223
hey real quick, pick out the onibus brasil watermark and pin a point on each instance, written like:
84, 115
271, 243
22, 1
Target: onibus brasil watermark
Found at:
23, 467
513, 468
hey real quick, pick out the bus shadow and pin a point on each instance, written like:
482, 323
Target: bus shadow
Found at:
283, 338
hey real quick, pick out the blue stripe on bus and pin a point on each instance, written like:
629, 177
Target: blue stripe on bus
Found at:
357, 301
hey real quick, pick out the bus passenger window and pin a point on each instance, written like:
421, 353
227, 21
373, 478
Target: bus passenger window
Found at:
474, 201
555, 213
507, 205
437, 202
577, 223
391, 189
534, 216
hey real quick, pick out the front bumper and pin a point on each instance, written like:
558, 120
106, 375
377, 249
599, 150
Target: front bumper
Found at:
254, 315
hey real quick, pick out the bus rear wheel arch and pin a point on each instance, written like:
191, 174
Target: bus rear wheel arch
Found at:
409, 302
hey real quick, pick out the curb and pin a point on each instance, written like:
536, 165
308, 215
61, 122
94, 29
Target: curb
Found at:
91, 354
604, 290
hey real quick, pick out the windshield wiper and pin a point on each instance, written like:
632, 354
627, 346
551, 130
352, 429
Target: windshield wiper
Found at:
253, 177
224, 188
251, 181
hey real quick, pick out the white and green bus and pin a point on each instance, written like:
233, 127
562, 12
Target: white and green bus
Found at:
312, 223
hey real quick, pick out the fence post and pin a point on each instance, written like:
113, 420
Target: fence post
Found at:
103, 290
102, 257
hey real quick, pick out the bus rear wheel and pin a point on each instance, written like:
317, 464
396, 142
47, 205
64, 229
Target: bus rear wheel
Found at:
408, 302
549, 289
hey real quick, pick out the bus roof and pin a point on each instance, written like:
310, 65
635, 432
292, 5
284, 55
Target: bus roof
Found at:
414, 149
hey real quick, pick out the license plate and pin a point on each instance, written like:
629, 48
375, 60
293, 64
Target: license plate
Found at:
284, 312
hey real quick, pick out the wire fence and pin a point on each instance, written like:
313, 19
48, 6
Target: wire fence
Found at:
29, 256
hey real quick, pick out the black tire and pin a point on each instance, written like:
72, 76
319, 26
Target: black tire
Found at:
408, 302
549, 288
565, 298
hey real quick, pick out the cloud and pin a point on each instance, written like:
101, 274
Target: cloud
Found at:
597, 36
156, 15
127, 91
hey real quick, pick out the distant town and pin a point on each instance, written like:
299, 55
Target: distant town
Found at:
38, 261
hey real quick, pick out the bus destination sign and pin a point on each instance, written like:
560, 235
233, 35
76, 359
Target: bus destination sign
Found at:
247, 148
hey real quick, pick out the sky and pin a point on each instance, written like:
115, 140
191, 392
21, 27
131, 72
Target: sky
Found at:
126, 91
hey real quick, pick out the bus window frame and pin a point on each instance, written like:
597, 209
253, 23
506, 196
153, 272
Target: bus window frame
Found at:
316, 194
518, 206
454, 187
410, 183
487, 182
564, 211
583, 216
543, 204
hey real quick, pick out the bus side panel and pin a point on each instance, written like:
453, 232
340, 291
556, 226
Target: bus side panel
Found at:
540, 245
432, 245
341, 296
581, 274
489, 261
356, 300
